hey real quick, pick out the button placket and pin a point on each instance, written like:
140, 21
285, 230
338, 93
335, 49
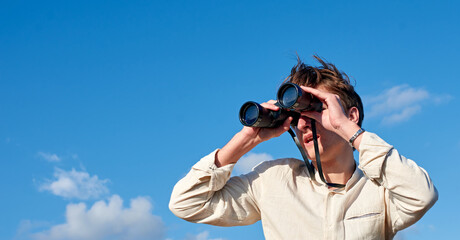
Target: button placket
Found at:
328, 220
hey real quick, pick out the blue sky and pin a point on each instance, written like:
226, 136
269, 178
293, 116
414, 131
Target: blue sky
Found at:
105, 105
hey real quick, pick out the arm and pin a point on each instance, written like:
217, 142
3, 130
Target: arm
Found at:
207, 194
248, 138
411, 191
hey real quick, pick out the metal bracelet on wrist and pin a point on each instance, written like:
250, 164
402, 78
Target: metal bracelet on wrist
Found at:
353, 138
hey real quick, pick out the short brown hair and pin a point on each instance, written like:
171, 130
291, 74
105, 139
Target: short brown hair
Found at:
329, 77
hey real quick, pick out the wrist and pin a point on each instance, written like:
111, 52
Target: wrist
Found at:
355, 137
249, 135
352, 133
240, 144
348, 129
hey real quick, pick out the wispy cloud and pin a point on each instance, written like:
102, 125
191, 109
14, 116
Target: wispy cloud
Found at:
75, 184
50, 157
202, 236
250, 160
400, 103
27, 226
107, 220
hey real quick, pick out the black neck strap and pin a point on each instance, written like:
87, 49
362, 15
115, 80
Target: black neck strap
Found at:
304, 155
318, 161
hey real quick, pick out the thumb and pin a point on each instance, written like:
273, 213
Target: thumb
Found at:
285, 127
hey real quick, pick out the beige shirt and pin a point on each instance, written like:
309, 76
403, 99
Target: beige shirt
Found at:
385, 194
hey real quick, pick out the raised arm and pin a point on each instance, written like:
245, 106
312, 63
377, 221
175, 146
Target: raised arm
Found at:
207, 194
248, 138
410, 190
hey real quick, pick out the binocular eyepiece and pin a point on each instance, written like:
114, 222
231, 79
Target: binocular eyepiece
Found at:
291, 99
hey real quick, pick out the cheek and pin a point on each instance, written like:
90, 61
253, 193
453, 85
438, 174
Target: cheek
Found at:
328, 138
332, 141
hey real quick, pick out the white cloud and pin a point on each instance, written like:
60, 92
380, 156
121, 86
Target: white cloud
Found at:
75, 184
107, 220
400, 103
49, 157
405, 114
202, 236
250, 160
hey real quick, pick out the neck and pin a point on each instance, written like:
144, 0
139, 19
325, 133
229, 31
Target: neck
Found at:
338, 169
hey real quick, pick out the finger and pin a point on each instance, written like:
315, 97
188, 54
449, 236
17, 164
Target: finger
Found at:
287, 123
315, 92
329, 99
285, 127
312, 114
270, 105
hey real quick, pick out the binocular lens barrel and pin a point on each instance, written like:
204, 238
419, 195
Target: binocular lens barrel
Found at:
253, 114
288, 95
291, 100
250, 114
292, 97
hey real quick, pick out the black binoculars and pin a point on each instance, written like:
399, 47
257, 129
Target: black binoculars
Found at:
291, 99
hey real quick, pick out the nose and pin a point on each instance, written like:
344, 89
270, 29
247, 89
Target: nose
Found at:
304, 123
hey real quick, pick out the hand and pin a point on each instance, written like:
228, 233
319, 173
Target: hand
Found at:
248, 138
264, 134
333, 117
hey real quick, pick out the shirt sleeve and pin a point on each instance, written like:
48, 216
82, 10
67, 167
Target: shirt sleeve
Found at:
207, 194
410, 191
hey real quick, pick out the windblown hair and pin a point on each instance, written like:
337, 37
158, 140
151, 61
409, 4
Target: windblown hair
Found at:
329, 77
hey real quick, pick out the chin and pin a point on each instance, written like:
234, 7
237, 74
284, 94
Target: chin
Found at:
311, 153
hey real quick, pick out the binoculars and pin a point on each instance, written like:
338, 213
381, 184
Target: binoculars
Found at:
291, 99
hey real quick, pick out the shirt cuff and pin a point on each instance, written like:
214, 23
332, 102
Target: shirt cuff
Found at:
372, 154
207, 167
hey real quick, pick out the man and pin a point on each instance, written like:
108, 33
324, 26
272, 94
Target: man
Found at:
383, 194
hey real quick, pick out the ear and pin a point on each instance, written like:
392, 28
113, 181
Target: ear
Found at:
353, 114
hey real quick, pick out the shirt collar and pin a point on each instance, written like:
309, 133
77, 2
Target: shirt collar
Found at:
357, 174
